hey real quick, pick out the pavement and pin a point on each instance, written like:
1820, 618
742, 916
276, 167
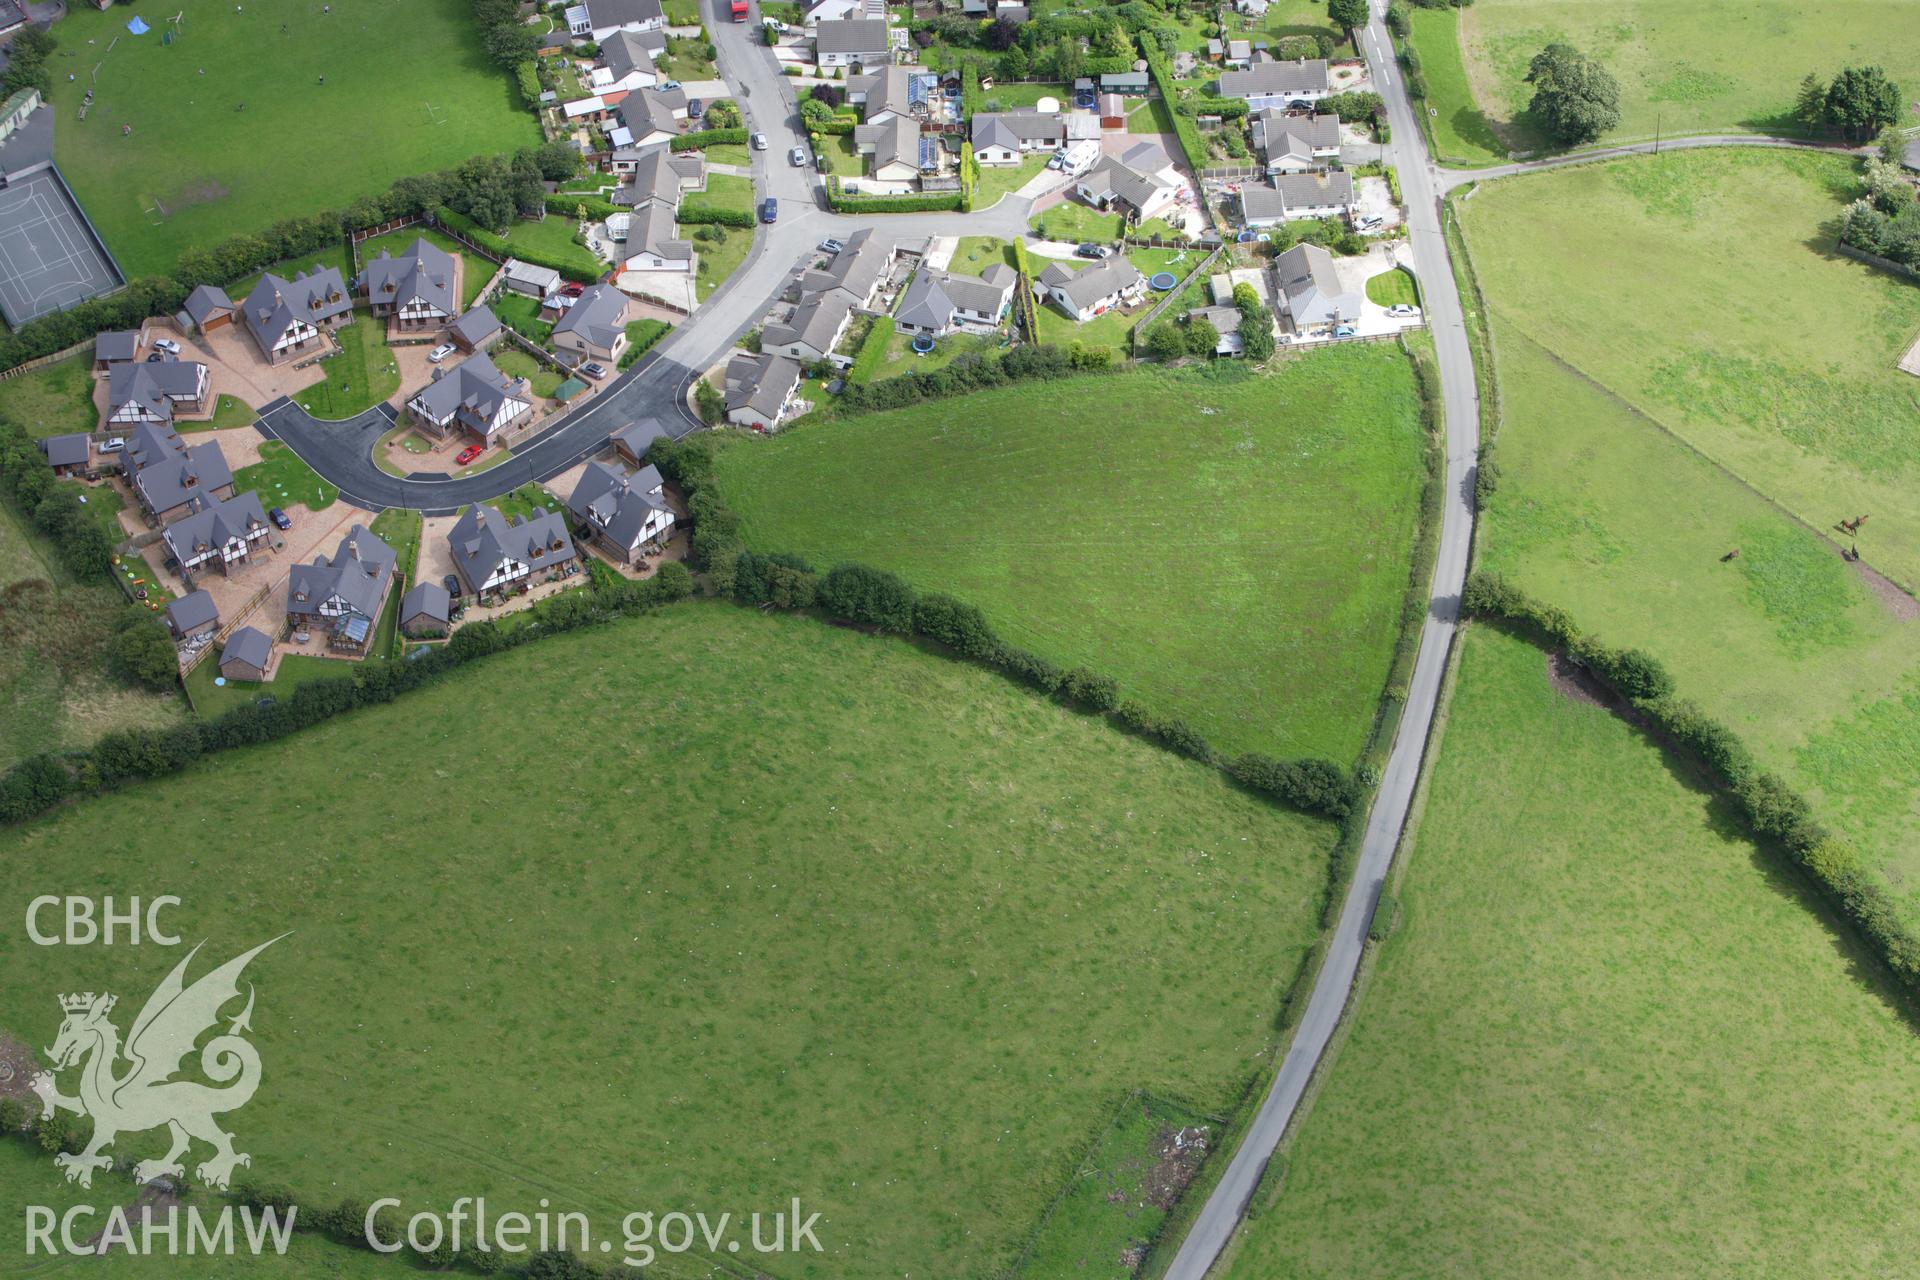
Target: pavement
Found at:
1217, 1220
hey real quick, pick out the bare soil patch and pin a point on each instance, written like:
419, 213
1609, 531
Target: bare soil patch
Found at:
1178, 1155
1572, 681
1896, 601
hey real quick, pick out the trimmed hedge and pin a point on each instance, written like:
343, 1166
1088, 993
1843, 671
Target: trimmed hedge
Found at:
707, 215
1191, 143
568, 206
1775, 814
641, 335
874, 598
943, 202
498, 245
707, 138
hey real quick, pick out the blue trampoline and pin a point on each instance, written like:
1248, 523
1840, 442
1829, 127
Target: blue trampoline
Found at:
922, 343
1162, 281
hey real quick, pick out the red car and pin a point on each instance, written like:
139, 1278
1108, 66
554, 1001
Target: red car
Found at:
467, 455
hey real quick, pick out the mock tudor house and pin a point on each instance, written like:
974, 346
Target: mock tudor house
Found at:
68, 454
246, 655
218, 533
155, 391
172, 480
848, 42
1084, 294
342, 596
600, 19
812, 331
473, 396
857, 270
624, 512
1296, 144
285, 317
938, 303
594, 327
759, 389
1129, 184
490, 551
1311, 286
1289, 197
1006, 137
413, 291
1278, 84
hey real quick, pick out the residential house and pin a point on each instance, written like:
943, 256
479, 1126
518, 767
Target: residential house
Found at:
414, 291
1295, 144
601, 19
1084, 294
342, 596
13, 16
112, 348
659, 174
894, 149
218, 533
627, 58
1129, 185
155, 391
1226, 322
194, 614
490, 551
529, 280
1278, 84
812, 331
68, 454
759, 389
938, 302
624, 512
246, 656
1308, 282
208, 308
473, 397
651, 118
633, 440
840, 10
1289, 197
857, 270
285, 317
1006, 137
887, 92
474, 331
652, 244
852, 42
182, 480
426, 609
594, 327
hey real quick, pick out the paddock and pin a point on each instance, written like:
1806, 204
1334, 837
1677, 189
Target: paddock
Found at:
49, 259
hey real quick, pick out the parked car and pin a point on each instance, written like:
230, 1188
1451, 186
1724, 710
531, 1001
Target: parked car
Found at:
695, 108
280, 518
167, 345
594, 369
573, 288
1343, 331
440, 352
668, 86
467, 455
831, 246
1094, 251
1403, 311
114, 445
769, 209
797, 157
1371, 222
155, 357
759, 141
452, 583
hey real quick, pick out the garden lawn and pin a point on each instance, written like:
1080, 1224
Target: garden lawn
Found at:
974, 254
211, 700
1608, 506
516, 363
1393, 288
521, 314
997, 180
56, 690
1073, 222
725, 191
400, 528
228, 411
902, 358
475, 270
1232, 548
718, 259
551, 241
1688, 66
299, 146
282, 479
1575, 1055
361, 375
897, 906
52, 401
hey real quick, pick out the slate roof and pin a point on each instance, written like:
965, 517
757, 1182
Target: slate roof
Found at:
153, 384
888, 89
761, 383
71, 450
651, 230
934, 296
616, 504
1116, 179
213, 524
1276, 132
895, 140
1312, 287
193, 610
275, 302
1308, 75
816, 322
661, 175
472, 392
637, 436
1011, 128
625, 52
1089, 285
598, 315
650, 110
205, 300
151, 443
613, 13
121, 344
427, 600
483, 538
856, 268
851, 35
476, 326
358, 574
424, 272
249, 646
180, 478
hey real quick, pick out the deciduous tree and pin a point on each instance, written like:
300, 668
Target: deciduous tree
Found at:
1574, 97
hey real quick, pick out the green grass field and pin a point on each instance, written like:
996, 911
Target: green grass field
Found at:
52, 401
726, 191
409, 89
1614, 502
475, 270
551, 239
1459, 127
1233, 549
878, 929
1609, 1037
1691, 66
362, 375
281, 478
718, 259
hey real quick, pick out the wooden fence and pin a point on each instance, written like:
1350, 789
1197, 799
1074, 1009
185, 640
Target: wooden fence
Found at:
1173, 295
41, 362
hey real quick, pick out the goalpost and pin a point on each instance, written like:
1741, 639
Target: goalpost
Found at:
435, 115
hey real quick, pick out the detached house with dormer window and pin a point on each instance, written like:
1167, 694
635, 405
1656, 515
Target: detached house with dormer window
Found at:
155, 391
172, 480
414, 291
219, 533
342, 596
286, 317
624, 512
474, 397
490, 551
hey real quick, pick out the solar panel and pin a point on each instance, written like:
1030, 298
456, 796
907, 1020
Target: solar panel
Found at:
929, 153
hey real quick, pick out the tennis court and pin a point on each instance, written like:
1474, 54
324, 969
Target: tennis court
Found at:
48, 258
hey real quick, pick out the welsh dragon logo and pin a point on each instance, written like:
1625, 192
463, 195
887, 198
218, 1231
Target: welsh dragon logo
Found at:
145, 1095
